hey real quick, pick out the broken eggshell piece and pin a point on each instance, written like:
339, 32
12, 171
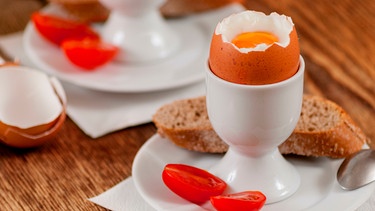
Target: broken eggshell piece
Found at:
32, 106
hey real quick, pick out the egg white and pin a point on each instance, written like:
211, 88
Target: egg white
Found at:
253, 21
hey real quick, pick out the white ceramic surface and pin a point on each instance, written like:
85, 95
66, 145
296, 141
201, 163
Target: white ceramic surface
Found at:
318, 191
139, 30
253, 120
183, 68
28, 97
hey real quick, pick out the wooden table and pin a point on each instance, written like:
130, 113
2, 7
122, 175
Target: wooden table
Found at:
337, 42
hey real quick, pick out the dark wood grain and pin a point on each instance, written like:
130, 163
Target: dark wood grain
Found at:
68, 170
337, 42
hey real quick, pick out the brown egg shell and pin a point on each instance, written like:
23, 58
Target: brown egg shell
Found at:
273, 65
37, 135
16, 137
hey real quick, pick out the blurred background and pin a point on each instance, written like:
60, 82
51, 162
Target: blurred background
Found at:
15, 14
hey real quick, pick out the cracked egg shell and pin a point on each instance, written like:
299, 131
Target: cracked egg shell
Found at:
263, 64
32, 107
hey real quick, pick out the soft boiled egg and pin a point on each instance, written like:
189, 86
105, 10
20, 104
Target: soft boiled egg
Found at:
253, 48
32, 106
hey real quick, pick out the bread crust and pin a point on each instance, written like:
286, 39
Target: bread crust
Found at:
94, 11
339, 141
203, 141
84, 10
171, 120
178, 8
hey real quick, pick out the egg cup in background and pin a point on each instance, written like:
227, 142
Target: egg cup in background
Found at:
253, 120
139, 30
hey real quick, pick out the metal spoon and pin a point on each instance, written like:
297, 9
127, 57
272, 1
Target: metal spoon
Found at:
357, 170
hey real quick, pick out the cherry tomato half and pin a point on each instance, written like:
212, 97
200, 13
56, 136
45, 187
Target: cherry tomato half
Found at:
56, 29
89, 53
242, 201
191, 183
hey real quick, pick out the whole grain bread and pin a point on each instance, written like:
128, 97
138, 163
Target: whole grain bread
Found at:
178, 8
94, 11
84, 10
324, 129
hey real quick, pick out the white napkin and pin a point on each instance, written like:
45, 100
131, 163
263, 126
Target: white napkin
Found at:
122, 196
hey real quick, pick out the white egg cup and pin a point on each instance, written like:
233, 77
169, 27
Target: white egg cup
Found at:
138, 28
253, 120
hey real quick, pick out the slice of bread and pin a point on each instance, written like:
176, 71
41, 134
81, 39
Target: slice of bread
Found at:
95, 11
324, 129
178, 8
83, 10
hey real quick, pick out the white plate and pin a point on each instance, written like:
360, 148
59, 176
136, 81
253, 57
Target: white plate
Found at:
183, 68
319, 189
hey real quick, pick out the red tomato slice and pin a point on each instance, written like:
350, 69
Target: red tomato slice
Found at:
243, 201
191, 183
56, 29
89, 53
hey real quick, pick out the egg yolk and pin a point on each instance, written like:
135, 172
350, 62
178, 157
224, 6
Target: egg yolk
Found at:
252, 39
